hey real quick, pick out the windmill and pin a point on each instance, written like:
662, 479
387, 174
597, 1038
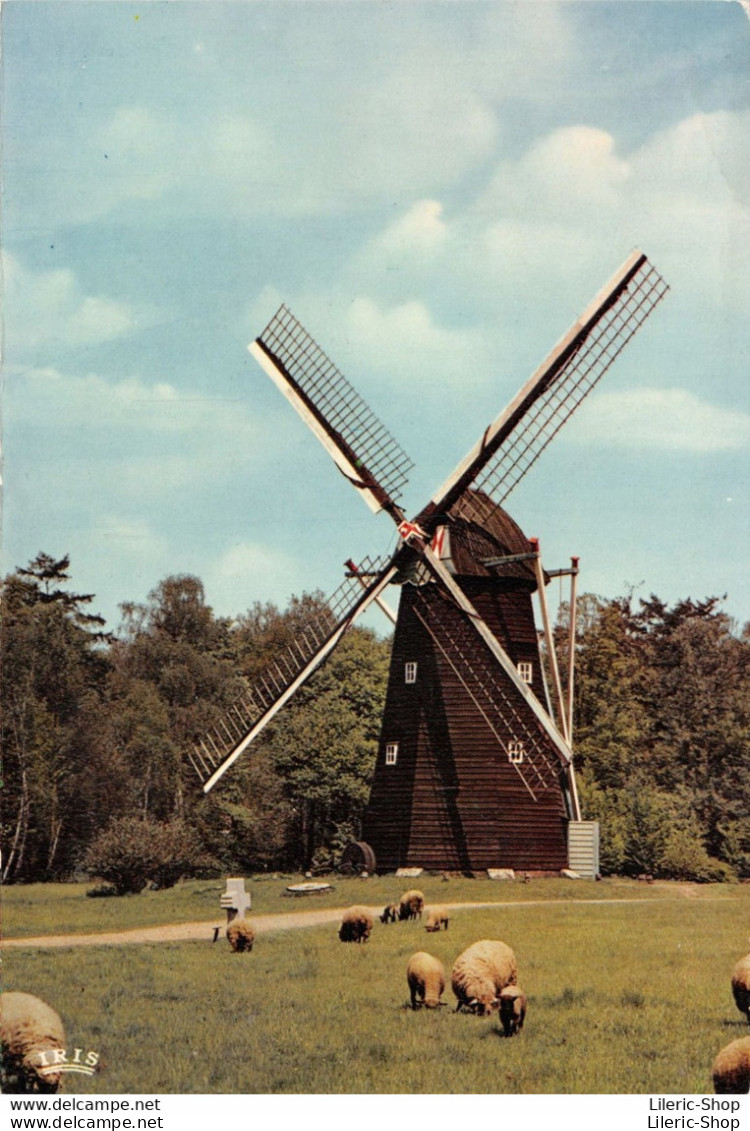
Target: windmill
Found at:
472, 769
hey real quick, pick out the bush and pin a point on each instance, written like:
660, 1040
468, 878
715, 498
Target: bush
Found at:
131, 853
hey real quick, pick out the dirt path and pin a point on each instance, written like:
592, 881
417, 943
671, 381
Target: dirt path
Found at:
263, 924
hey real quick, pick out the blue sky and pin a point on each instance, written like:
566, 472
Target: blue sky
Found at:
436, 190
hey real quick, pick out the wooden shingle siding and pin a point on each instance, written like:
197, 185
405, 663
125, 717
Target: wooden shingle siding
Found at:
453, 801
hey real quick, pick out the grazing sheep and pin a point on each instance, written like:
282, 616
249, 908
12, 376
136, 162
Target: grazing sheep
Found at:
241, 935
356, 925
741, 986
29, 1028
426, 978
437, 917
731, 1068
480, 973
512, 1005
411, 905
390, 913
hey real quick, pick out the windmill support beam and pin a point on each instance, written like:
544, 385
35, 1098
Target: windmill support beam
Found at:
573, 571
382, 605
508, 559
551, 653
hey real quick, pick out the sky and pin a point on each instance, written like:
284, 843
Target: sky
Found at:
436, 190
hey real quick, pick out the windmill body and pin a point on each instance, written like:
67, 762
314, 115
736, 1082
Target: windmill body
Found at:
450, 789
473, 771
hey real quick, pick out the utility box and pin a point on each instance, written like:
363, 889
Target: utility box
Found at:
235, 900
583, 848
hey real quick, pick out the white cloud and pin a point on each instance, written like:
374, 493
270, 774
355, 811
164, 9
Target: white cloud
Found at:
248, 572
405, 340
664, 419
90, 402
50, 308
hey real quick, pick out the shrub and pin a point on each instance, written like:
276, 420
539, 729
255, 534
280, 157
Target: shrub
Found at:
131, 853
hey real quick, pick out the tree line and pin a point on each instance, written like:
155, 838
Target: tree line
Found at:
96, 727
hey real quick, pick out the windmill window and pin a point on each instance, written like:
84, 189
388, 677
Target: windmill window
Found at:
410, 673
526, 671
391, 753
516, 752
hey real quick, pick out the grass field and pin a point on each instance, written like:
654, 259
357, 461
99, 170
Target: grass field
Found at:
42, 909
624, 997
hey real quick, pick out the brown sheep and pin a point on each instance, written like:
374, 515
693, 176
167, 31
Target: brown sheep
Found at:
731, 1069
411, 905
512, 1006
426, 977
29, 1029
480, 973
356, 925
437, 917
241, 935
741, 986
390, 913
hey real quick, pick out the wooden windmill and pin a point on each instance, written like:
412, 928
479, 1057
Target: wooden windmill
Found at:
472, 770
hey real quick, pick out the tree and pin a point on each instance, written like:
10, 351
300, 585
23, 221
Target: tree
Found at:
323, 748
52, 658
663, 735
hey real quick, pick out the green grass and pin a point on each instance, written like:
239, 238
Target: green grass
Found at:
623, 998
43, 909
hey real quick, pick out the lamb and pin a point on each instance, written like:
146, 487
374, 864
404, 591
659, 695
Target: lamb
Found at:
390, 913
731, 1069
741, 986
411, 905
29, 1028
426, 977
241, 935
512, 1005
356, 925
437, 917
480, 973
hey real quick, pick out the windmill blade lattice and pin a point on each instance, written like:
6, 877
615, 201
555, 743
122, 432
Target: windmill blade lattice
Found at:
369, 451
553, 394
219, 746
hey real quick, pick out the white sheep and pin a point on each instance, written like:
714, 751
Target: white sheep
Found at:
356, 925
29, 1028
241, 935
411, 905
437, 917
731, 1069
512, 1007
426, 977
480, 973
741, 985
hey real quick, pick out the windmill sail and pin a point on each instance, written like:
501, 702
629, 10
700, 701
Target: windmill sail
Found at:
220, 746
360, 446
520, 434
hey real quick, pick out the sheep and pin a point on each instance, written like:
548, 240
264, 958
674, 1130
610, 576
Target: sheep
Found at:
390, 913
241, 935
731, 1069
741, 986
29, 1028
411, 905
480, 973
512, 1006
356, 925
437, 917
426, 977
